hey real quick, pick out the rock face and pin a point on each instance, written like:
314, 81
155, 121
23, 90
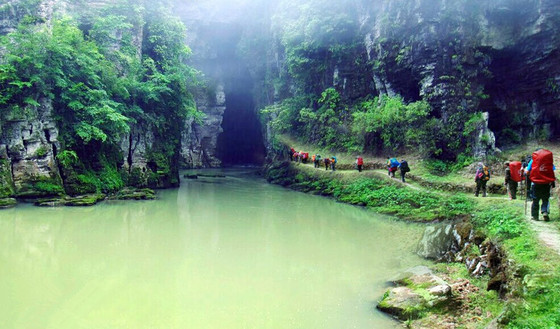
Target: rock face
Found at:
200, 139
460, 243
499, 58
28, 152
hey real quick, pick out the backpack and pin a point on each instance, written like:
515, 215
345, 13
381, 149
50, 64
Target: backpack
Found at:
394, 162
542, 171
485, 173
360, 161
515, 171
404, 167
479, 174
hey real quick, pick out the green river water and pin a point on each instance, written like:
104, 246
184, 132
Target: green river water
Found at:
219, 253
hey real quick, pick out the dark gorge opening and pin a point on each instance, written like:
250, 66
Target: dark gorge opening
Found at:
241, 142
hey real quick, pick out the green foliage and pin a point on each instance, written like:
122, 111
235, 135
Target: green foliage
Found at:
395, 125
106, 180
61, 65
100, 84
501, 221
41, 151
40, 186
49, 188
373, 193
442, 168
67, 158
385, 122
314, 33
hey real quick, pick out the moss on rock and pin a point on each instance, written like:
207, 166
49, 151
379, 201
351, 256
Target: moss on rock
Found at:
7, 203
40, 187
134, 194
6, 182
84, 200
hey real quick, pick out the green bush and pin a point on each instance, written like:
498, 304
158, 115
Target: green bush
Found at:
41, 151
500, 221
49, 188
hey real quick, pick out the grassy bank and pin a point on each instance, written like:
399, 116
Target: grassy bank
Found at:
532, 297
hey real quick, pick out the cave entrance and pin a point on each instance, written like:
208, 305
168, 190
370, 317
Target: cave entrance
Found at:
241, 142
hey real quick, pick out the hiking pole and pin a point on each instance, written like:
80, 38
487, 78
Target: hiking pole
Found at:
526, 197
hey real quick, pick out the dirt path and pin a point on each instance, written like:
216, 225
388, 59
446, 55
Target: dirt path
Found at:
547, 233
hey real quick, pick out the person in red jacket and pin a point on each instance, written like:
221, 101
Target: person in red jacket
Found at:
541, 171
359, 163
512, 177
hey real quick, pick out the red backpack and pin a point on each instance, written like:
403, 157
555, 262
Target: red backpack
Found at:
360, 161
515, 171
542, 167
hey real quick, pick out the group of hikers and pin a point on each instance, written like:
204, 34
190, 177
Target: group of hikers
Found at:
303, 157
393, 165
330, 162
537, 175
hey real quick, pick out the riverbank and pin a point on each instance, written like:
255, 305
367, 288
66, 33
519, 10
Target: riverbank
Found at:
525, 294
85, 200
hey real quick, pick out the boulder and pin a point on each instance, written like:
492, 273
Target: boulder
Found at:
436, 241
403, 303
134, 194
418, 291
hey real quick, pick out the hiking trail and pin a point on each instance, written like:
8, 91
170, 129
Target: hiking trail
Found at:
547, 233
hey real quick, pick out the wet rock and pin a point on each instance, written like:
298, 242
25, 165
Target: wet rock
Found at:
77, 201
84, 200
7, 203
50, 202
212, 175
419, 290
134, 194
402, 302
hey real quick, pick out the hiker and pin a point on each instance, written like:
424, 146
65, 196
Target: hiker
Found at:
292, 151
513, 177
333, 163
481, 178
359, 163
404, 168
528, 190
392, 166
317, 162
313, 159
541, 170
304, 157
295, 156
327, 163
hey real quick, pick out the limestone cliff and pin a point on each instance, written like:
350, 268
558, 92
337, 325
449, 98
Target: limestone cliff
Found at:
28, 146
498, 57
200, 138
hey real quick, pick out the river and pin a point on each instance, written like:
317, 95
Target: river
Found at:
228, 253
